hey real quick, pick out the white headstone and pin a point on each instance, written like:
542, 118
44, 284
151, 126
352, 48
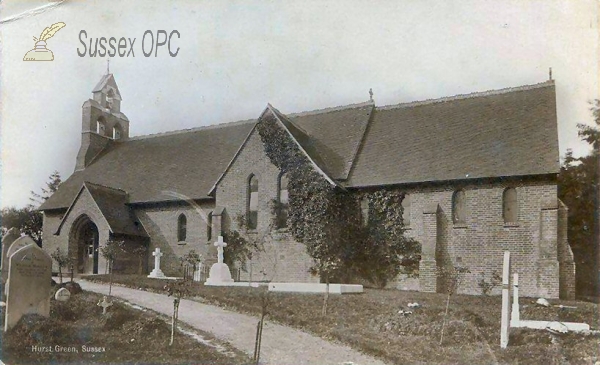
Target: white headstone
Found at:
12, 248
62, 295
505, 319
219, 272
29, 273
157, 272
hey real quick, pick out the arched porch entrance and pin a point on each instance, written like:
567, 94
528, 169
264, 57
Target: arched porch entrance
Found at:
84, 240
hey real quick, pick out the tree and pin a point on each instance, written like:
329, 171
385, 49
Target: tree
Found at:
178, 289
62, 260
29, 220
578, 189
111, 250
51, 186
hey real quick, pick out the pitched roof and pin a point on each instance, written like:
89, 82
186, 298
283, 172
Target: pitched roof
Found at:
509, 132
188, 162
112, 204
107, 79
304, 141
335, 134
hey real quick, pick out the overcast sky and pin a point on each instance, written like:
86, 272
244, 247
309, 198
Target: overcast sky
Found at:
235, 57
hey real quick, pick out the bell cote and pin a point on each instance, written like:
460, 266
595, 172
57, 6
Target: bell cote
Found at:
102, 121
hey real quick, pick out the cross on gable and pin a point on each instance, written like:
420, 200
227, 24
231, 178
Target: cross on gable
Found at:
157, 252
220, 242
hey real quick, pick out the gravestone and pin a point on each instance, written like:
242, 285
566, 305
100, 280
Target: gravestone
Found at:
62, 295
15, 246
157, 272
11, 236
104, 303
29, 274
219, 272
198, 272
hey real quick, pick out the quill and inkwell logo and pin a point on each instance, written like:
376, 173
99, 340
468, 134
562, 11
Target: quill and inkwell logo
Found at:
40, 52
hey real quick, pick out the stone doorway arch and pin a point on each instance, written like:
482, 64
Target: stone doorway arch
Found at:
84, 242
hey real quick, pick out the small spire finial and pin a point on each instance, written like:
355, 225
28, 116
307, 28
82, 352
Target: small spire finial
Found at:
108, 66
370, 94
550, 74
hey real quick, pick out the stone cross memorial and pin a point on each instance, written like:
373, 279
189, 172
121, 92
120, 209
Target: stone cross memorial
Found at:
157, 272
29, 274
220, 245
219, 272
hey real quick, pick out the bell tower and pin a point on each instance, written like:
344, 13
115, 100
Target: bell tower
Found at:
102, 121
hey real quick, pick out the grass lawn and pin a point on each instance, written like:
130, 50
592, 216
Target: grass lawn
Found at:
124, 335
370, 322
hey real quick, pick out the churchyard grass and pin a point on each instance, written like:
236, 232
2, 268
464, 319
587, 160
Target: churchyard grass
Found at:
126, 334
370, 322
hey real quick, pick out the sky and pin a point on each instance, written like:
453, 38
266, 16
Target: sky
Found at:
236, 56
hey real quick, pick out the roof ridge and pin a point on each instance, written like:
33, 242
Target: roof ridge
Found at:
187, 130
467, 96
104, 186
330, 109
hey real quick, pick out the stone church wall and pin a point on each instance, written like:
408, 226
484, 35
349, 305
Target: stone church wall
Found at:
284, 259
161, 224
84, 205
51, 242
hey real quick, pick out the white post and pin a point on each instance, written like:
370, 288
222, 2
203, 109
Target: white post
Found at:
504, 324
515, 317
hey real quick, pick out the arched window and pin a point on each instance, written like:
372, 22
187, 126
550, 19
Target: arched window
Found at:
209, 226
459, 214
252, 202
510, 208
364, 210
100, 127
406, 210
181, 227
117, 132
283, 202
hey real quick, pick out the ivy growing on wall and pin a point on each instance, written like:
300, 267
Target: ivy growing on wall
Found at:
327, 218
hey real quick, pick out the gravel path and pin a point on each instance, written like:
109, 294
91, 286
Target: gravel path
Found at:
281, 345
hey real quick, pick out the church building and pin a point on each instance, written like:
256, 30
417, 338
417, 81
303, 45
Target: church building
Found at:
479, 172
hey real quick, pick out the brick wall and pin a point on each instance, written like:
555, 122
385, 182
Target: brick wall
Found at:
480, 242
161, 225
84, 205
565, 255
283, 259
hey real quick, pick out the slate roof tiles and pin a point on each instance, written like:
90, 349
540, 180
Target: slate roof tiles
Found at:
509, 132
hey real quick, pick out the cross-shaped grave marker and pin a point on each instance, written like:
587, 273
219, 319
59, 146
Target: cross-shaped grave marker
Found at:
157, 272
104, 303
220, 245
219, 272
